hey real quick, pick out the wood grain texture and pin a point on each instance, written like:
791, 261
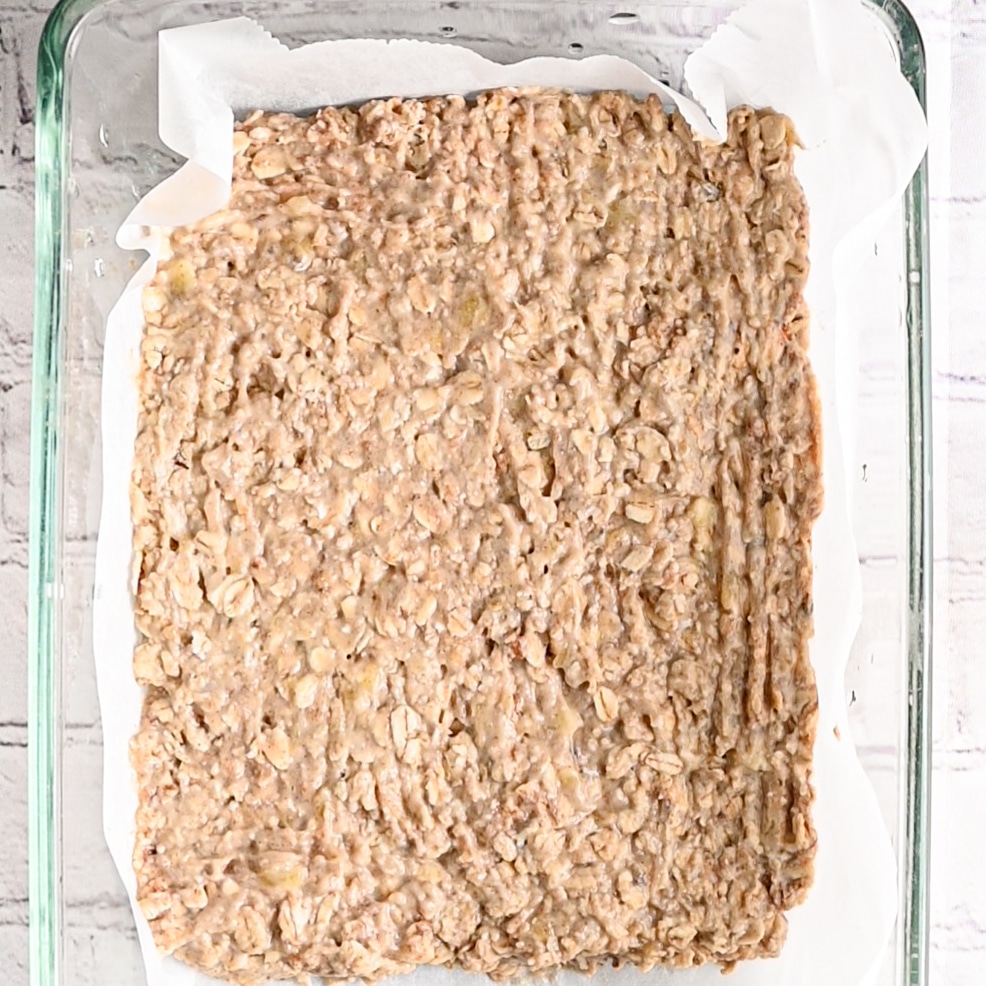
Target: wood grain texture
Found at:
955, 34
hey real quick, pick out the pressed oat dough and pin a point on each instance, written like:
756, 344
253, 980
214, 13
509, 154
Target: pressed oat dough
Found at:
477, 463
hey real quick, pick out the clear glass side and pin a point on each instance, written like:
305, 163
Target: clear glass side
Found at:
97, 152
43, 696
915, 780
917, 817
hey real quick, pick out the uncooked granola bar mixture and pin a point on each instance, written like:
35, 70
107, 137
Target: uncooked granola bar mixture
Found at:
477, 463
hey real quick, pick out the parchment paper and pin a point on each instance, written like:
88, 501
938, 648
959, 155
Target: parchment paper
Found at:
828, 66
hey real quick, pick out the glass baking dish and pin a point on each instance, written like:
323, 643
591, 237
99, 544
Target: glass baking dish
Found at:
98, 152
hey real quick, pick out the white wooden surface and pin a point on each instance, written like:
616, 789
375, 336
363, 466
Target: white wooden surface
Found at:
955, 34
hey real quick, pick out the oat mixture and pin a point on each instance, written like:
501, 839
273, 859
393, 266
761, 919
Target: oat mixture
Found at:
477, 463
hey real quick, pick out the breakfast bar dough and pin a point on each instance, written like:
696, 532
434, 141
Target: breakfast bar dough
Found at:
477, 462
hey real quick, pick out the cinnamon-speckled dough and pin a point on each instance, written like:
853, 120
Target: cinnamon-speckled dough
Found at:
477, 463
